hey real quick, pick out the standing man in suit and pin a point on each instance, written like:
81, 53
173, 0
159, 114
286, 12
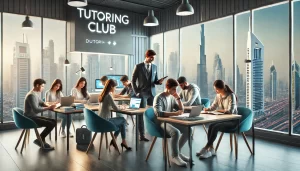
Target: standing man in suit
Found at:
144, 78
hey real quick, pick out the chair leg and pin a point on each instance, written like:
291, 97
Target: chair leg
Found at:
163, 147
246, 141
95, 134
151, 147
100, 145
24, 140
236, 146
168, 157
59, 130
73, 126
221, 136
231, 142
39, 137
28, 136
106, 140
114, 141
132, 120
204, 127
20, 138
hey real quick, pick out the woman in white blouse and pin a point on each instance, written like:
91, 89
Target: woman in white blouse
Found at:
54, 95
79, 92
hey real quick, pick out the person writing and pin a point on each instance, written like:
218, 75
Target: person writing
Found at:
127, 91
54, 95
225, 102
168, 103
34, 105
190, 94
106, 103
144, 79
79, 92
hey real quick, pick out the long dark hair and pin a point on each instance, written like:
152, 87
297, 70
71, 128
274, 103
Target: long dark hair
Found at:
55, 82
83, 90
107, 88
220, 84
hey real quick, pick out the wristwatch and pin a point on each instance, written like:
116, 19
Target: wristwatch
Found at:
178, 98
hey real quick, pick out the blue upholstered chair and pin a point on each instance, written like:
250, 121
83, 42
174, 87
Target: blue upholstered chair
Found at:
245, 125
206, 103
97, 124
154, 130
26, 124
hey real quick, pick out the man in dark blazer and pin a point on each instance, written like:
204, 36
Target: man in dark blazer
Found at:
144, 78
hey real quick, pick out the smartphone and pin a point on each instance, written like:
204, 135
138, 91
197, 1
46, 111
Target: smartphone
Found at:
164, 77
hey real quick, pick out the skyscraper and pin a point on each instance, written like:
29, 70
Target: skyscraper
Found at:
273, 83
92, 70
21, 73
201, 68
173, 65
48, 65
295, 85
219, 71
255, 74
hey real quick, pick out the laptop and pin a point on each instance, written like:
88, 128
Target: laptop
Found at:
94, 98
194, 115
65, 101
134, 103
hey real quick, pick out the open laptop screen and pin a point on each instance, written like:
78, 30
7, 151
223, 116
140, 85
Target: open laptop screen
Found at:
135, 103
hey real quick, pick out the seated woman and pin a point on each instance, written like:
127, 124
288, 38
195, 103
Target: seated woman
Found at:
79, 92
225, 102
106, 103
54, 95
168, 103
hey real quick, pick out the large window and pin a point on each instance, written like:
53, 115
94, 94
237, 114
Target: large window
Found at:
295, 67
73, 71
192, 40
217, 57
171, 54
242, 28
269, 54
157, 44
54, 51
21, 60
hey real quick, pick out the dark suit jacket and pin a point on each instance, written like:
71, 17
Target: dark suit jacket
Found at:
140, 75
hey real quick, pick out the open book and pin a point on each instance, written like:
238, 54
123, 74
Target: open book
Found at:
212, 112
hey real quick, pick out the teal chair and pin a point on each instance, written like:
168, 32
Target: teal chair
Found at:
154, 130
97, 124
26, 124
244, 126
206, 103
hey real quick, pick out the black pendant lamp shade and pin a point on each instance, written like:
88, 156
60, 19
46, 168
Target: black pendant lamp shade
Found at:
185, 8
151, 20
77, 3
27, 24
67, 63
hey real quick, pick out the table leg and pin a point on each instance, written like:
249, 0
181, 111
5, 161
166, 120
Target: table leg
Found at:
253, 138
190, 146
68, 130
136, 133
56, 126
165, 142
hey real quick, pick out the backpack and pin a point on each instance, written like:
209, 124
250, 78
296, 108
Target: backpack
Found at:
83, 137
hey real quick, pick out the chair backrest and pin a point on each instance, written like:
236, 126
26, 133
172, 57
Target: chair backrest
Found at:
95, 123
246, 120
152, 128
22, 121
205, 102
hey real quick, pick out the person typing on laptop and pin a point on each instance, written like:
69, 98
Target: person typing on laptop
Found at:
79, 92
127, 90
225, 102
166, 104
54, 95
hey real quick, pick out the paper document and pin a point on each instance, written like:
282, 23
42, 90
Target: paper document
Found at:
212, 112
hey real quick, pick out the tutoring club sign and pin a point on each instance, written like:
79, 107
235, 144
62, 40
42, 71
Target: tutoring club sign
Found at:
100, 30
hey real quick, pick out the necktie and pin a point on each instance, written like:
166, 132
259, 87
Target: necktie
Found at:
148, 68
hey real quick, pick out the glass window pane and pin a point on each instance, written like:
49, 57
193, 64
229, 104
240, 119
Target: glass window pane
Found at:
295, 67
171, 49
54, 51
241, 34
73, 71
156, 42
269, 80
21, 60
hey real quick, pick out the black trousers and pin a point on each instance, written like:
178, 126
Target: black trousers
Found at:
44, 122
146, 100
216, 127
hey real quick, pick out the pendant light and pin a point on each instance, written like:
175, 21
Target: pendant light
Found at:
67, 63
77, 3
185, 8
151, 20
27, 24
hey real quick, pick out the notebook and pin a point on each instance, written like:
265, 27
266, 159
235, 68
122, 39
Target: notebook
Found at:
212, 112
